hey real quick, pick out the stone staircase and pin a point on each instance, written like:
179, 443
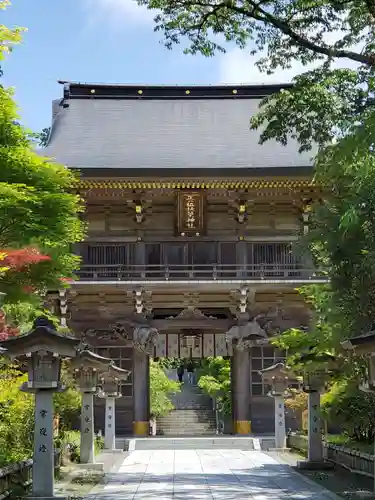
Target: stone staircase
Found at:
193, 414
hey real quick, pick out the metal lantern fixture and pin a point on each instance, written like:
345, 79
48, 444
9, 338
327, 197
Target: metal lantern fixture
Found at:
278, 377
88, 368
43, 348
364, 345
315, 380
368, 383
191, 340
110, 381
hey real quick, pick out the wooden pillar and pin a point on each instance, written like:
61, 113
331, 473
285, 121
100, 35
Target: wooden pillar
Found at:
240, 374
140, 259
141, 393
241, 257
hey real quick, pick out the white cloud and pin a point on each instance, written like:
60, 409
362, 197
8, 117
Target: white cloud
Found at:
118, 12
238, 66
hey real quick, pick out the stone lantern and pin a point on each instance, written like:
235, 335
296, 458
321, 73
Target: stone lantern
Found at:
364, 345
278, 377
110, 383
314, 383
43, 349
88, 369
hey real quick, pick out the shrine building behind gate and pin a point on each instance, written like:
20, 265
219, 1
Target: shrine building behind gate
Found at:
191, 231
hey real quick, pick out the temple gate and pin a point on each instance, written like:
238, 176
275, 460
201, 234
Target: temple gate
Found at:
191, 238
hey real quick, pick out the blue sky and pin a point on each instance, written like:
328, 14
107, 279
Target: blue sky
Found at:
109, 41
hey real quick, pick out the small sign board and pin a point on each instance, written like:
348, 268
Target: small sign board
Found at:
190, 213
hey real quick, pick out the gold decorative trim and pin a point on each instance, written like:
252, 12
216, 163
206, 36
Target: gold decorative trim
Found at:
227, 184
140, 428
242, 427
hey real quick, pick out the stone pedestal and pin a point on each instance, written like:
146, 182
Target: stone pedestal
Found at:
87, 429
280, 431
240, 374
141, 393
110, 423
43, 457
315, 458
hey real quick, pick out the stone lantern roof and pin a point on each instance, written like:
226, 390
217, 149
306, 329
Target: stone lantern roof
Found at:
42, 337
88, 359
116, 372
362, 344
276, 371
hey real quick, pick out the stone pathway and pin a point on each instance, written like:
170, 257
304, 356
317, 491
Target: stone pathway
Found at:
207, 474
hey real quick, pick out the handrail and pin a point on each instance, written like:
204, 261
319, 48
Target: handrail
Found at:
199, 271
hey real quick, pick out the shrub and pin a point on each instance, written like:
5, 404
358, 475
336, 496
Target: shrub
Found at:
352, 409
67, 403
160, 387
16, 417
216, 382
297, 400
70, 444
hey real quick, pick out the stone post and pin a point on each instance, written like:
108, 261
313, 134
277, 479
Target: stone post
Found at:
278, 377
87, 428
43, 349
315, 444
240, 374
141, 393
110, 383
88, 369
313, 385
280, 430
43, 456
110, 423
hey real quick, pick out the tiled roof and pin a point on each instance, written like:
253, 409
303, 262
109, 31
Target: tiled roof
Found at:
152, 130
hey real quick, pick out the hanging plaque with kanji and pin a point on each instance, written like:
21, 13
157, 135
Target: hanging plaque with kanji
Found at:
190, 214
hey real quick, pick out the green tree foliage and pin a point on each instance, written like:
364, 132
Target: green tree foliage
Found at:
67, 404
216, 382
327, 107
353, 410
160, 388
8, 36
287, 31
16, 417
38, 207
44, 136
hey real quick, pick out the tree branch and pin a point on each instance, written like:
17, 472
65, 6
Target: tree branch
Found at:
265, 16
257, 13
370, 4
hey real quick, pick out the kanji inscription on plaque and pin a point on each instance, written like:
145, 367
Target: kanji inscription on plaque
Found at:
190, 216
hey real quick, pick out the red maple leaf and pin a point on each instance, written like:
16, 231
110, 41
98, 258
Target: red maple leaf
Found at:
6, 331
18, 260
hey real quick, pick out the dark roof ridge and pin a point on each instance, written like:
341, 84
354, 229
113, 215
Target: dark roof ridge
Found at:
168, 91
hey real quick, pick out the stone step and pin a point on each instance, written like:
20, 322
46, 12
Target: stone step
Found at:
200, 443
192, 428
191, 411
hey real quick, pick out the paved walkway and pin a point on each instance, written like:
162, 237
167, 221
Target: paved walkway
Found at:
207, 474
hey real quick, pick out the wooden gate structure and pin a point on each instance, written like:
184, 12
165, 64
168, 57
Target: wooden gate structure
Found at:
192, 231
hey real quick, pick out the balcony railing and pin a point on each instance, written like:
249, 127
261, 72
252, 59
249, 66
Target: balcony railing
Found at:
197, 272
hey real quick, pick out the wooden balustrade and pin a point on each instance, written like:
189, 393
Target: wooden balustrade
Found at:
197, 272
